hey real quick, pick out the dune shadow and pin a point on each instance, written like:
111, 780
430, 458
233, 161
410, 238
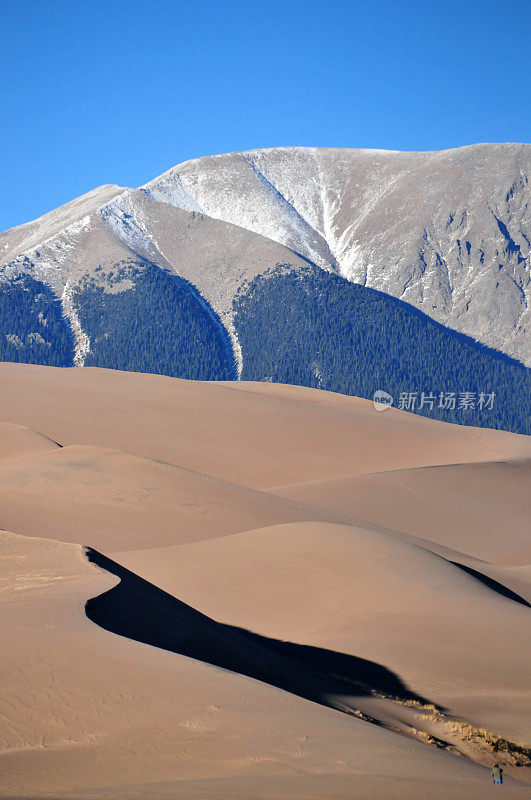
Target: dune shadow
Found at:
138, 610
490, 583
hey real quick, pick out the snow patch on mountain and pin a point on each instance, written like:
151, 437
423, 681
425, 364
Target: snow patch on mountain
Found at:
446, 231
241, 193
171, 189
81, 340
50, 260
123, 218
449, 232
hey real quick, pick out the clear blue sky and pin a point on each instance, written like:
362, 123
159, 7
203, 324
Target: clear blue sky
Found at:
117, 92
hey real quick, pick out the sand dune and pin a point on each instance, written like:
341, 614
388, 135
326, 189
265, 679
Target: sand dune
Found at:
247, 635
480, 509
112, 500
16, 441
317, 786
369, 595
83, 708
257, 435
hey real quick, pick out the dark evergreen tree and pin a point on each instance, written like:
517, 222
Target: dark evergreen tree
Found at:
314, 328
33, 329
159, 324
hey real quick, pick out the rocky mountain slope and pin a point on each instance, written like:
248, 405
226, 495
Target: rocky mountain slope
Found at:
164, 278
448, 232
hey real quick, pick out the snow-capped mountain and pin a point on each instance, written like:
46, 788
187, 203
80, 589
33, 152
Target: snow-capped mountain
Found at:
179, 275
87, 238
448, 232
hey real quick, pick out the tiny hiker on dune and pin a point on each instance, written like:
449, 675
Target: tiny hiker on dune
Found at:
497, 774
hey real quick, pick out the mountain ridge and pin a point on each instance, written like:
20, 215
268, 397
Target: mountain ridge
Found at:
445, 234
357, 211
432, 272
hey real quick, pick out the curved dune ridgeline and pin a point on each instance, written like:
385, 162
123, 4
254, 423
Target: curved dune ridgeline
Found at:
242, 590
138, 610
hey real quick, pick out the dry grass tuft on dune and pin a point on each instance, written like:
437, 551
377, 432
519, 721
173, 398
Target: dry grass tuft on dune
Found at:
244, 591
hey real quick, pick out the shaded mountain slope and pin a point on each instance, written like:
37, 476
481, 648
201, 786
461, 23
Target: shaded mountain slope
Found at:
33, 328
446, 231
317, 329
160, 324
154, 279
